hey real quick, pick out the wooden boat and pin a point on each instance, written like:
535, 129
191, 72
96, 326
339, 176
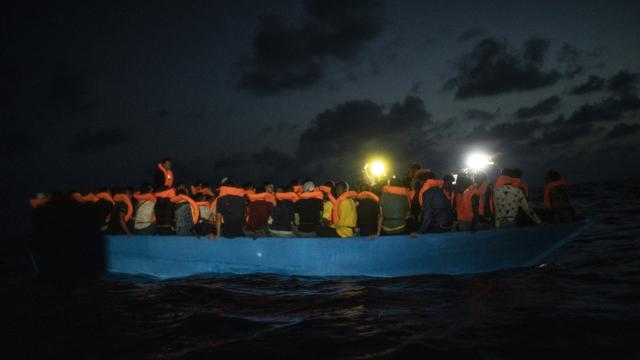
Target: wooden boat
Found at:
452, 253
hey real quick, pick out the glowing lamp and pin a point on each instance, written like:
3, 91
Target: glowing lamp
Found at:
377, 168
478, 161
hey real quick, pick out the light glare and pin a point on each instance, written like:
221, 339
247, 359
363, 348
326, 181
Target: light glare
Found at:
478, 161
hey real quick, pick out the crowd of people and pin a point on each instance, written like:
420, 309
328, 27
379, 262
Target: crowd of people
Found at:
417, 203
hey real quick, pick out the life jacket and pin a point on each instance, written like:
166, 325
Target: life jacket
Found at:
195, 190
412, 195
464, 212
232, 191
77, 197
195, 211
548, 187
481, 192
166, 194
90, 197
367, 195
427, 185
144, 197
502, 180
290, 196
298, 189
104, 196
397, 190
316, 194
168, 175
36, 203
125, 199
265, 196
206, 192
327, 190
517, 182
335, 215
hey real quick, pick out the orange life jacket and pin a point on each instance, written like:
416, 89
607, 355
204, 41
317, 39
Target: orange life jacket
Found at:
397, 190
125, 199
166, 194
290, 196
335, 215
233, 191
368, 195
168, 175
521, 185
144, 197
427, 185
265, 196
316, 194
36, 203
481, 191
327, 190
195, 211
105, 196
549, 186
502, 180
464, 211
207, 192
77, 197
412, 195
90, 197
297, 189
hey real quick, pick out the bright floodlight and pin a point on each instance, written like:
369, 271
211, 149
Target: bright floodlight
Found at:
478, 161
377, 168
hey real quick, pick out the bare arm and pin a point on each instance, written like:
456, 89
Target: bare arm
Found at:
218, 225
124, 226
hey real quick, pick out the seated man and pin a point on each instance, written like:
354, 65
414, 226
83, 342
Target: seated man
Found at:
344, 215
510, 205
230, 209
284, 212
436, 208
259, 214
308, 211
187, 214
120, 213
206, 224
557, 206
368, 209
395, 209
144, 223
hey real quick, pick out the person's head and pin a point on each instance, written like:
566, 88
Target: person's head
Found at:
105, 190
552, 176
480, 178
260, 189
422, 177
224, 181
363, 186
268, 186
146, 188
129, 191
412, 169
166, 163
280, 189
198, 185
505, 172
516, 173
248, 186
462, 183
161, 188
181, 191
181, 186
198, 197
308, 186
206, 186
341, 187
448, 180
294, 182
395, 182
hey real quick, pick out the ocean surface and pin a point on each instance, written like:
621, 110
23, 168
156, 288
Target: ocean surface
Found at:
583, 302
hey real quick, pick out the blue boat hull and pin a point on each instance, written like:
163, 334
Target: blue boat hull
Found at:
167, 257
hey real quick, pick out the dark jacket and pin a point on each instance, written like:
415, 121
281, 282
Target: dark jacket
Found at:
436, 211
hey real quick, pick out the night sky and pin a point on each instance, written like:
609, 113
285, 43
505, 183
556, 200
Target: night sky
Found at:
94, 94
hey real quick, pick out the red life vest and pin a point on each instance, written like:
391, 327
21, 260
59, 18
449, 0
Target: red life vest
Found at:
397, 190
549, 186
521, 185
316, 194
327, 191
77, 197
168, 175
480, 191
502, 180
427, 185
166, 194
144, 197
265, 196
290, 196
36, 203
335, 215
125, 199
297, 189
105, 196
232, 191
195, 211
464, 212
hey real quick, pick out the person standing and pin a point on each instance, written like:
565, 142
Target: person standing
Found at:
164, 174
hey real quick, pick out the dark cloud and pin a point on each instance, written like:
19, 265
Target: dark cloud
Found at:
274, 159
416, 87
470, 34
577, 61
508, 132
232, 161
158, 114
287, 57
88, 141
480, 115
280, 127
562, 131
623, 83
593, 84
544, 107
493, 67
609, 109
623, 130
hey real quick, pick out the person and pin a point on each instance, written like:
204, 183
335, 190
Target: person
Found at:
164, 174
308, 210
121, 213
164, 210
510, 205
448, 188
516, 180
259, 213
436, 208
144, 223
187, 214
230, 210
327, 202
284, 213
481, 195
367, 210
462, 203
395, 209
206, 222
557, 205
268, 187
103, 204
344, 214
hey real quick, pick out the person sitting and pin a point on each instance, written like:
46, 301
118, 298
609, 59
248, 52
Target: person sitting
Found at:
103, 205
206, 223
144, 223
436, 208
268, 187
367, 210
284, 213
164, 174
480, 193
120, 213
187, 214
230, 210
164, 211
344, 215
516, 180
308, 210
448, 188
510, 206
557, 205
259, 214
327, 202
462, 203
395, 209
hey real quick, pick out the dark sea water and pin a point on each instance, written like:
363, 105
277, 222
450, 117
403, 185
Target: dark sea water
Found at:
584, 302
